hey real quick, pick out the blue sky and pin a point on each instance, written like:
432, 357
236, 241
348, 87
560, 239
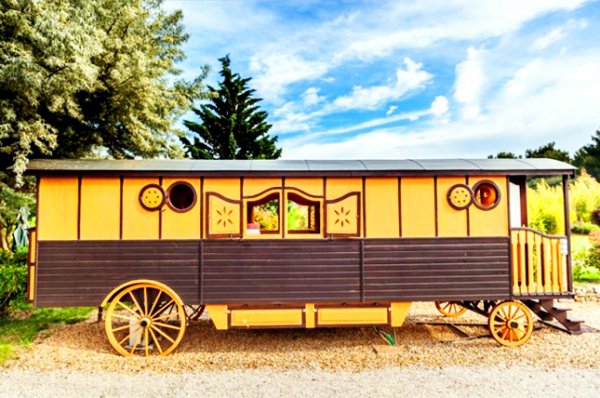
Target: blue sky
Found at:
403, 79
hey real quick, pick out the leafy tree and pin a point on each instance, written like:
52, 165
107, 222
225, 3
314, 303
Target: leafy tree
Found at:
504, 155
548, 151
232, 125
89, 78
588, 157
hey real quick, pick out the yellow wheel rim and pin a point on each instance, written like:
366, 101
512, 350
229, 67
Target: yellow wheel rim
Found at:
511, 323
450, 309
145, 319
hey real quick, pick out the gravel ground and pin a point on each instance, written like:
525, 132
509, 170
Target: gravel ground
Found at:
428, 360
411, 382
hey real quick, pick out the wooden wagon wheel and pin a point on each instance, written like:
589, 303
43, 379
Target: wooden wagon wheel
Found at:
450, 309
511, 323
145, 318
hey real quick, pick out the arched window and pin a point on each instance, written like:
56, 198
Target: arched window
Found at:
303, 215
263, 214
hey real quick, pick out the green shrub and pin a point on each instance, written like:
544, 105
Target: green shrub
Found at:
584, 227
586, 274
13, 279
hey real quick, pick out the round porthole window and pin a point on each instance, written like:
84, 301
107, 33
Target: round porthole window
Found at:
152, 197
486, 195
460, 196
181, 196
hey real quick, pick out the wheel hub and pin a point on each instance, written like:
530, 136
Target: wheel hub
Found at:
513, 324
145, 322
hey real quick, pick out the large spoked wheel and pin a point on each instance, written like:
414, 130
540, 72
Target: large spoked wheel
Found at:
511, 323
145, 319
450, 309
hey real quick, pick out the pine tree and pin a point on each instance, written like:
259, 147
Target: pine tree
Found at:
232, 125
588, 157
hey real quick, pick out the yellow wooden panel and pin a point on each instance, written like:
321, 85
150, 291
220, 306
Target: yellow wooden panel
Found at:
309, 315
347, 220
381, 213
31, 283
490, 222
186, 225
312, 186
100, 208
343, 217
451, 222
231, 189
138, 223
417, 207
224, 216
218, 314
275, 317
32, 246
254, 186
352, 316
58, 201
337, 187
398, 311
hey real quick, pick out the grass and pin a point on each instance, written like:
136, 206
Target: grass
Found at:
580, 242
19, 331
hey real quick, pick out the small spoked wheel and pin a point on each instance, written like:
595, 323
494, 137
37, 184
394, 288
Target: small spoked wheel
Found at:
145, 319
450, 309
511, 323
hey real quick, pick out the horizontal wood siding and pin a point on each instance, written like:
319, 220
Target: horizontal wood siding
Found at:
436, 269
281, 271
82, 272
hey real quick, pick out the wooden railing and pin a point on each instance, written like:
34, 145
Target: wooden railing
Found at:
539, 263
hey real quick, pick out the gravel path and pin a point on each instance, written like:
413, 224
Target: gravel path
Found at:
388, 382
430, 360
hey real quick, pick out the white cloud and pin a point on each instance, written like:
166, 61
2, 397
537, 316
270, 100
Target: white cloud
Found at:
551, 99
557, 34
311, 96
275, 71
391, 110
439, 106
549, 38
408, 79
470, 83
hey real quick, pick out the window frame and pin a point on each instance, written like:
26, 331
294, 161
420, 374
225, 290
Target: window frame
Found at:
168, 197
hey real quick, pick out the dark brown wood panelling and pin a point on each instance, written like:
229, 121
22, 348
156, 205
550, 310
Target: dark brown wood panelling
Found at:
281, 271
73, 273
436, 269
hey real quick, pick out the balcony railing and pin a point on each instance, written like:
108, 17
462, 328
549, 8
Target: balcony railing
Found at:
539, 263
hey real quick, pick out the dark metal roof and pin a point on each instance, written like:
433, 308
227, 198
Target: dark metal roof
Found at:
353, 167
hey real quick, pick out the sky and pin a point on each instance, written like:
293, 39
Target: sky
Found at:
378, 79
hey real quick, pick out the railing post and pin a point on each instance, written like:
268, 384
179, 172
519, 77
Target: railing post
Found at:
565, 185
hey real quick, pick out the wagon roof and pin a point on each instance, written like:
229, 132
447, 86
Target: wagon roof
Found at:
303, 167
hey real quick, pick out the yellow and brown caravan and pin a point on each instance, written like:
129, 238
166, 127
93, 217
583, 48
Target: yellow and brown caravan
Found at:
304, 244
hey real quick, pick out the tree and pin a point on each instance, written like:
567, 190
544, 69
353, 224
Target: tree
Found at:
232, 125
588, 157
504, 155
548, 151
87, 78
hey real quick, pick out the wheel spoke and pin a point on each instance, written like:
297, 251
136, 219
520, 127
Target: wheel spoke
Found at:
128, 309
136, 302
125, 317
161, 309
137, 342
155, 340
166, 325
154, 303
126, 337
120, 328
146, 342
145, 301
166, 336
